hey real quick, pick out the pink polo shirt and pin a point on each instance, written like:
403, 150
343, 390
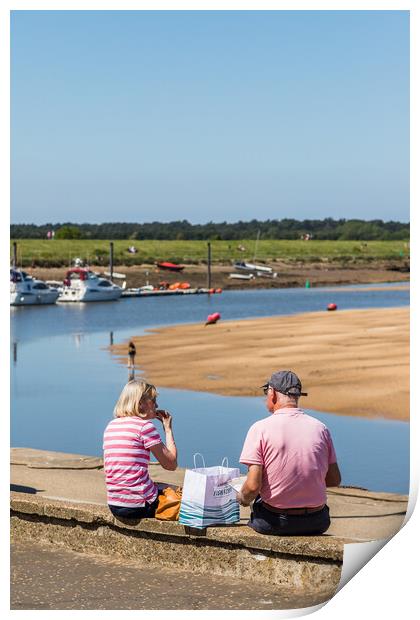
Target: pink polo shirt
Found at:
295, 450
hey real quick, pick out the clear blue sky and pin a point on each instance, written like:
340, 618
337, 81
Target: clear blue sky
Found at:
144, 115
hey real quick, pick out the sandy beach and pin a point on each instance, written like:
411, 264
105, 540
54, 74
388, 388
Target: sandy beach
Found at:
353, 362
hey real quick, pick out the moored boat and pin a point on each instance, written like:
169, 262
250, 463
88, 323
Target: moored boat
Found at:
84, 285
115, 274
28, 291
166, 265
241, 276
258, 270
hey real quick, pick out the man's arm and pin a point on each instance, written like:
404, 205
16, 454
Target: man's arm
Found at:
252, 485
333, 477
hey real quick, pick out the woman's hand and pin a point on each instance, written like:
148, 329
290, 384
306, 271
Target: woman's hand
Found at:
165, 417
166, 455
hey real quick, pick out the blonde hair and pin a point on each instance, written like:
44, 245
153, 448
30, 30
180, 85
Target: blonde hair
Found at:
131, 397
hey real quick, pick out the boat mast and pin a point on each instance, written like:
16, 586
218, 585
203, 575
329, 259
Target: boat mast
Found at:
256, 245
208, 265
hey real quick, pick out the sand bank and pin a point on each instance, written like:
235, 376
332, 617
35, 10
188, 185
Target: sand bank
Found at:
353, 362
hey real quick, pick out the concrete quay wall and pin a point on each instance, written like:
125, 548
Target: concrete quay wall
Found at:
60, 499
301, 563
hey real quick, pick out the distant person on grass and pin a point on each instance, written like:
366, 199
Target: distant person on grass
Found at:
128, 441
291, 460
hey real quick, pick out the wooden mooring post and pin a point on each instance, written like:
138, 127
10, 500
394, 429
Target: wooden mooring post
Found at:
209, 265
111, 260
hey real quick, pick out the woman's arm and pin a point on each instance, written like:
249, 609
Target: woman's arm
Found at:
166, 458
166, 454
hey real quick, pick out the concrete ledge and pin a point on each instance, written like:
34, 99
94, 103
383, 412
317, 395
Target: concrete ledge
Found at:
46, 459
61, 499
310, 564
307, 546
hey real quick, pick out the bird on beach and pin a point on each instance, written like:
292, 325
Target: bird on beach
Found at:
212, 319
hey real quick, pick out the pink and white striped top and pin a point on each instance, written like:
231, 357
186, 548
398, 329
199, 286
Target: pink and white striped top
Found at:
127, 443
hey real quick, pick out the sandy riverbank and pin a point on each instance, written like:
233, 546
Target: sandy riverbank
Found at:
353, 362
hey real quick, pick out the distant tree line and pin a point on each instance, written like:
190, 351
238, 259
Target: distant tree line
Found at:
328, 228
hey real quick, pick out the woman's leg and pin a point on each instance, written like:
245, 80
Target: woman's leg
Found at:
128, 512
151, 508
142, 512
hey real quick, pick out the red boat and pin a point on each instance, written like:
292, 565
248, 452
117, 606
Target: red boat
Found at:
170, 266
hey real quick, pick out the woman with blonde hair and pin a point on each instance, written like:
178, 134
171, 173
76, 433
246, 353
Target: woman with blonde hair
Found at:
128, 440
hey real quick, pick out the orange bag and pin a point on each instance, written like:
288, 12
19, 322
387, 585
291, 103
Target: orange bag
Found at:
169, 504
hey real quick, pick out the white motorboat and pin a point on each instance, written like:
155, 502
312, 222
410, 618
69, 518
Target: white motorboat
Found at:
81, 284
28, 291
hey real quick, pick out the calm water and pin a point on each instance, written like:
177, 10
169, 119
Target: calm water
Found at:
65, 383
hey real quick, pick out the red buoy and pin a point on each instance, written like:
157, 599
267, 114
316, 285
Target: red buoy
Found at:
213, 318
219, 290
332, 307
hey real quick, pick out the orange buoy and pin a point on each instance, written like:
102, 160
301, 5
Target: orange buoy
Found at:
219, 290
332, 307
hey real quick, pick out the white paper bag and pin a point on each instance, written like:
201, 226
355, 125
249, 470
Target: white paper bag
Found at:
207, 499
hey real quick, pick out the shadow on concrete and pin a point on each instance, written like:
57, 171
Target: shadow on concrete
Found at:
389, 514
18, 488
128, 521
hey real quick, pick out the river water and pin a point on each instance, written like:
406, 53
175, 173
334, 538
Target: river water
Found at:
64, 382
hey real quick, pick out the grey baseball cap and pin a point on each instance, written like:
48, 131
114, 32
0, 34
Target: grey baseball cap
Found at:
286, 382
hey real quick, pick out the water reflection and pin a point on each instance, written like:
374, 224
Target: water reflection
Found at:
15, 353
78, 337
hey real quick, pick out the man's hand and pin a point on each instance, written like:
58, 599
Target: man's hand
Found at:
240, 499
251, 486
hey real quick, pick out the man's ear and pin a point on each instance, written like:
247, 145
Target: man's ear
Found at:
274, 396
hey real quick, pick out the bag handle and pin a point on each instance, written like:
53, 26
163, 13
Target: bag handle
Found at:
194, 457
227, 462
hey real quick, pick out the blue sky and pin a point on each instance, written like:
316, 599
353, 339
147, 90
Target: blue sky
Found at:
209, 115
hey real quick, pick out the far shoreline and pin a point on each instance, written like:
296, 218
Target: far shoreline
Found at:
289, 275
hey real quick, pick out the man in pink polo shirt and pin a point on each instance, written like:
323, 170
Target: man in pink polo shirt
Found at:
291, 460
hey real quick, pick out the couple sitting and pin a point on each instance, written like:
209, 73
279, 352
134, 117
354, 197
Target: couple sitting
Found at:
290, 458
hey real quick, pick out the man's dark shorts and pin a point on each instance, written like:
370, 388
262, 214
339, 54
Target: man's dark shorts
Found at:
265, 521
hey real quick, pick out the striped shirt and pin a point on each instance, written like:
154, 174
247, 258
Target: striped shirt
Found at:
127, 443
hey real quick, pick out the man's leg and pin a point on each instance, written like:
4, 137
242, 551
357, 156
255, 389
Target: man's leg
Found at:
264, 521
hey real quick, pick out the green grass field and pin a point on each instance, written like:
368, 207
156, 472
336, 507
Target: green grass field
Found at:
57, 253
